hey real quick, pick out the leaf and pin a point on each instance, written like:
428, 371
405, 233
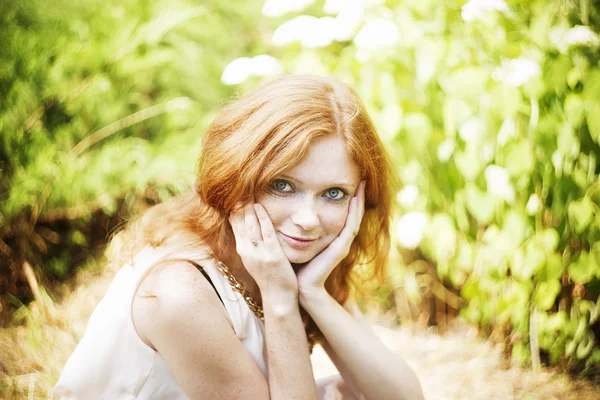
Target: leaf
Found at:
520, 159
526, 267
545, 294
418, 128
556, 322
586, 345
547, 239
464, 256
507, 100
593, 120
520, 353
583, 269
581, 212
515, 228
460, 212
466, 83
591, 86
553, 269
427, 57
480, 204
574, 109
555, 72
469, 162
441, 237
568, 143
456, 111
595, 250
390, 121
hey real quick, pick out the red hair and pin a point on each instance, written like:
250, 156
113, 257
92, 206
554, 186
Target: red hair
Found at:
252, 141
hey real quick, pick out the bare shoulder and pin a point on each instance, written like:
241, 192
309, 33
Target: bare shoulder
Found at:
171, 293
177, 312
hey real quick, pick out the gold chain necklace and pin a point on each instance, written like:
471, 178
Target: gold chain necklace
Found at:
252, 304
241, 289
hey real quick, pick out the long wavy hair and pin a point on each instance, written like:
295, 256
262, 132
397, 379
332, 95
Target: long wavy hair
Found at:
252, 141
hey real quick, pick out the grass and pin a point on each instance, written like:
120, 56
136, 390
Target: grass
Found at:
458, 365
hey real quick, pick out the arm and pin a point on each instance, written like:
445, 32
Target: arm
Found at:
369, 367
187, 324
290, 370
366, 365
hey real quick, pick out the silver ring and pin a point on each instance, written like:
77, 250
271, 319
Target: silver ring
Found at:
255, 242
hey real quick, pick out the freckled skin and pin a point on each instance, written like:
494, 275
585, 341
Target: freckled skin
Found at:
311, 199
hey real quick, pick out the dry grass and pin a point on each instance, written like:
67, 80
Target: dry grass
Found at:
458, 365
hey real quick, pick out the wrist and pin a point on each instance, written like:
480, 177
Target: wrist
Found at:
280, 307
279, 302
313, 296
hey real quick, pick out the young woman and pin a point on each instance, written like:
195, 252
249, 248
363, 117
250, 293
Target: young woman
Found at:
230, 285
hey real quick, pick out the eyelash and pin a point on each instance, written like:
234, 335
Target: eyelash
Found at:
273, 186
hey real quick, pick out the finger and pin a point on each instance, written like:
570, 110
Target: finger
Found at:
266, 226
237, 223
350, 229
251, 223
361, 202
352, 222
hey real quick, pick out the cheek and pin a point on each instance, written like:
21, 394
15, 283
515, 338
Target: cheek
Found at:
335, 219
275, 208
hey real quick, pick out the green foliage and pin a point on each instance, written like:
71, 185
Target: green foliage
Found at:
494, 116
99, 100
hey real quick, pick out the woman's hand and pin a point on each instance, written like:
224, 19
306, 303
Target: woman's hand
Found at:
311, 277
257, 244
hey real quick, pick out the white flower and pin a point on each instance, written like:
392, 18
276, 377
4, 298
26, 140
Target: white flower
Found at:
581, 36
240, 69
410, 229
498, 183
277, 8
237, 71
310, 31
476, 9
533, 204
313, 32
408, 196
517, 71
377, 34
472, 130
337, 6
347, 22
263, 65
446, 150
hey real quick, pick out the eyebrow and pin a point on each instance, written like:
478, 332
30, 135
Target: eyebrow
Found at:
331, 185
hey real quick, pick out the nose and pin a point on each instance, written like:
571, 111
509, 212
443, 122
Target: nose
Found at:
306, 215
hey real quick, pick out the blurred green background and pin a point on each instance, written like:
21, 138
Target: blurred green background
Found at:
490, 109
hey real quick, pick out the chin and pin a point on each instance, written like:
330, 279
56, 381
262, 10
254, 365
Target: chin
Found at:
298, 256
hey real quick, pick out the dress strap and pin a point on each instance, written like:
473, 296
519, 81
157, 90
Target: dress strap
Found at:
195, 264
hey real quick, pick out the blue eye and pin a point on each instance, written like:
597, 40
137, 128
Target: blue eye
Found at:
281, 186
336, 194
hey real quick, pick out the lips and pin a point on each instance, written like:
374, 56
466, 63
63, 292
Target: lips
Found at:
300, 243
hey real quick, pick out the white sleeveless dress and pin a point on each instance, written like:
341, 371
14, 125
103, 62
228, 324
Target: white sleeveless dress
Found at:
112, 362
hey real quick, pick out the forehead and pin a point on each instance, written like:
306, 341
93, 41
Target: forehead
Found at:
327, 161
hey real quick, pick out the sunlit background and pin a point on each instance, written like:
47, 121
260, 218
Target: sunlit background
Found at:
489, 108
